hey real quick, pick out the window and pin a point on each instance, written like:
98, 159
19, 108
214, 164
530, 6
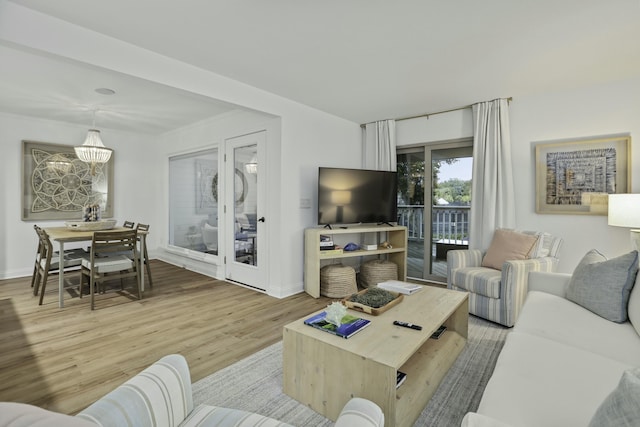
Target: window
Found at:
193, 202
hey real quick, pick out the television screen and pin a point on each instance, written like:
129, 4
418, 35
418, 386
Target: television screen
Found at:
350, 196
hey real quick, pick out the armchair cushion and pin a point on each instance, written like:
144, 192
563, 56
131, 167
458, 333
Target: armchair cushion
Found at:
603, 286
205, 415
478, 280
508, 245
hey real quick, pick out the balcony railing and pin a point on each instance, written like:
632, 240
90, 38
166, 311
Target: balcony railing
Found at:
449, 223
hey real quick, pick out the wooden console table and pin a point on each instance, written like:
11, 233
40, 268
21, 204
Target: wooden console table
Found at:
395, 235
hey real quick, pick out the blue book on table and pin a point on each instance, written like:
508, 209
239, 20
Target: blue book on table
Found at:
350, 325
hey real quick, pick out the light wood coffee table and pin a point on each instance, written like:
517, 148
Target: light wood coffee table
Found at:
324, 371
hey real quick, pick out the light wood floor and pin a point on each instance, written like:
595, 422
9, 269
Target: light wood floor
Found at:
65, 359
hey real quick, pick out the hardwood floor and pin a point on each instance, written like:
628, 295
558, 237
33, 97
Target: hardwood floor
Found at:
65, 359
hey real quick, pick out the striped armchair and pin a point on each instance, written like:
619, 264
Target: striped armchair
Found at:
498, 295
161, 396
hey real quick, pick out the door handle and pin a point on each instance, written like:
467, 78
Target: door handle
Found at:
261, 219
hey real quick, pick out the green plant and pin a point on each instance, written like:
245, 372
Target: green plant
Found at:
373, 297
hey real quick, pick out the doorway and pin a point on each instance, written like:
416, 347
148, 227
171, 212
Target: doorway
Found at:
434, 202
245, 224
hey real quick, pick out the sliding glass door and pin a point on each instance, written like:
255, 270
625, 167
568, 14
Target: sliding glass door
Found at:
434, 199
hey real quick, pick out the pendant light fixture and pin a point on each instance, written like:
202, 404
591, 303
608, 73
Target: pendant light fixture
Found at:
93, 150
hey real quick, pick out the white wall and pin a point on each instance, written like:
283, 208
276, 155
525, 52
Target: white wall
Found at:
17, 239
602, 110
307, 138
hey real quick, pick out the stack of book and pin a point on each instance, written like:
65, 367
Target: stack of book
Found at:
350, 326
327, 246
400, 287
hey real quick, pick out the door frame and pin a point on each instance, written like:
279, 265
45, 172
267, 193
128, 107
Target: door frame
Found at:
253, 276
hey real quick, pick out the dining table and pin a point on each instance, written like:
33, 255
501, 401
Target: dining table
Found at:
64, 235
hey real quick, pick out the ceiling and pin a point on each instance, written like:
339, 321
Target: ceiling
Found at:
363, 60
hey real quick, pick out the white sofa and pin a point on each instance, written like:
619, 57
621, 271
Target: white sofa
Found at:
161, 396
560, 362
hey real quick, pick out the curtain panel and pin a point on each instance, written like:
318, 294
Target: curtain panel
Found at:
493, 195
379, 145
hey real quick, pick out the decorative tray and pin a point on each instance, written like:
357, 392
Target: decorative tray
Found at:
375, 311
105, 224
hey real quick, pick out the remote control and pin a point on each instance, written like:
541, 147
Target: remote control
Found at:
407, 325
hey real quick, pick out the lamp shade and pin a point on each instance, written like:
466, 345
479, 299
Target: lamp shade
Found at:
624, 210
93, 150
341, 197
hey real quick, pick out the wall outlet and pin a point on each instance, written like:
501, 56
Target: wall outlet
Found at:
305, 203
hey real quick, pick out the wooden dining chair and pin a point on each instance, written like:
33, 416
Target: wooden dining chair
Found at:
48, 261
114, 255
145, 254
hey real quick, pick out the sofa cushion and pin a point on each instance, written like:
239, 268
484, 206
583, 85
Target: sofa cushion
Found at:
23, 415
603, 286
622, 407
206, 415
508, 245
550, 316
478, 280
541, 382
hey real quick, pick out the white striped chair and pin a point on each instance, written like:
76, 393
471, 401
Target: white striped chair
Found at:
499, 295
161, 396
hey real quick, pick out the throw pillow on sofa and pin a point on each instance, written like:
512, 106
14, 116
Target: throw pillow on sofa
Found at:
634, 304
603, 285
622, 407
508, 245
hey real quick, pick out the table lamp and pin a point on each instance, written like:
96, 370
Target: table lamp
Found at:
624, 211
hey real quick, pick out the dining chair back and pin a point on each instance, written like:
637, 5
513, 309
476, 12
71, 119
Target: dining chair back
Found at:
129, 224
36, 266
48, 261
145, 252
114, 255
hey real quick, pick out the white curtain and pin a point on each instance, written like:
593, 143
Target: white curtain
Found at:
492, 193
379, 146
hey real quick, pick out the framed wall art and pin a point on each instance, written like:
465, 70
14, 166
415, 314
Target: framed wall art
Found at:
577, 176
56, 185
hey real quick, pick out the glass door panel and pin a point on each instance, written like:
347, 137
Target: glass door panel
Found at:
246, 210
411, 182
434, 186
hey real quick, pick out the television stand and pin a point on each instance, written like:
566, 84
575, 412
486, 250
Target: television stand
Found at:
313, 257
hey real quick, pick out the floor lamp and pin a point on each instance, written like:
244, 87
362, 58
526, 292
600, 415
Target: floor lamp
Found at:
624, 211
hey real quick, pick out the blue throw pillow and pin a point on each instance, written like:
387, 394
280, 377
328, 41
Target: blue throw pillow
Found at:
622, 407
603, 286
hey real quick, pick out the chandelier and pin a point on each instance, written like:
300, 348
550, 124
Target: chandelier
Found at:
93, 150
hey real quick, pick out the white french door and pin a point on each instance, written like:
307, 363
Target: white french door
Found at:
245, 223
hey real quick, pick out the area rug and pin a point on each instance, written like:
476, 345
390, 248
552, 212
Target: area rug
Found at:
255, 384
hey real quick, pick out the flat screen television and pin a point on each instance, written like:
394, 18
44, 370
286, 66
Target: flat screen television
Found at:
351, 196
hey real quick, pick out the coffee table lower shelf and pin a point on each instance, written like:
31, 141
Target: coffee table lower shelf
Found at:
425, 370
323, 371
